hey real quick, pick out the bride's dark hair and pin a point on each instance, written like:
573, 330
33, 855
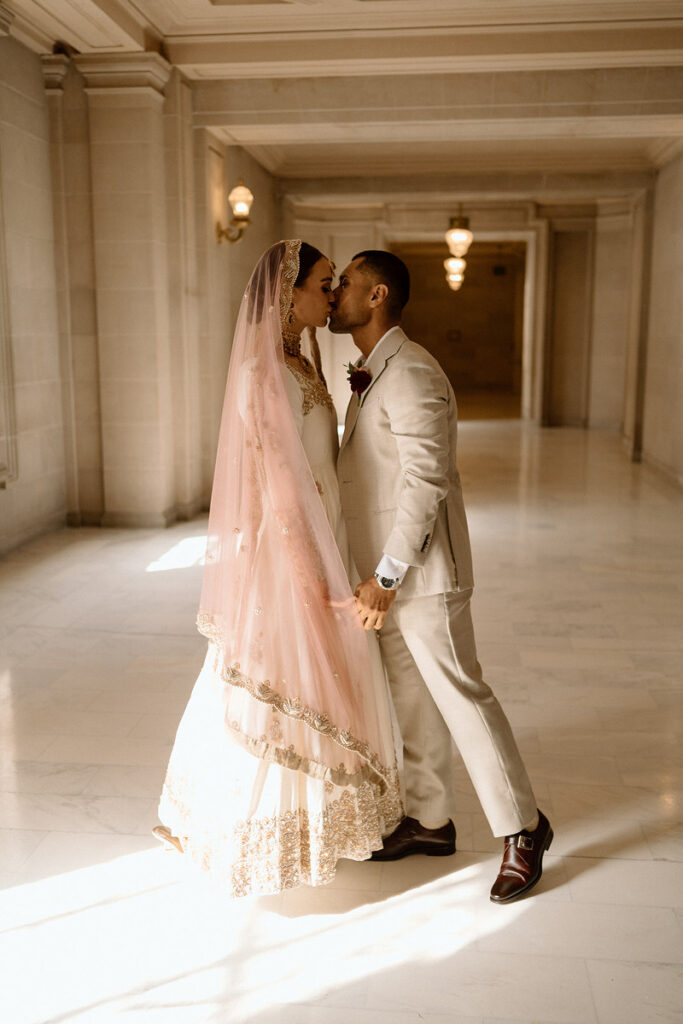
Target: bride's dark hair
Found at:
266, 267
308, 257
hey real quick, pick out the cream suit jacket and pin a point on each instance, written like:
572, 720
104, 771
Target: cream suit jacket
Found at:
400, 488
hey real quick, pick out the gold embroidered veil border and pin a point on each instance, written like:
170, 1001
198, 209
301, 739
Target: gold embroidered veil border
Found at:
276, 601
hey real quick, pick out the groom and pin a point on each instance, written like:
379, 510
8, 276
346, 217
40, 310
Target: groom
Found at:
401, 496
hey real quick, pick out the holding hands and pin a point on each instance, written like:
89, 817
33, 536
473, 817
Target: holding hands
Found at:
373, 603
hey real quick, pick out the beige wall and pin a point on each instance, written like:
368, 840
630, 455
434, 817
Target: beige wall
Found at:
611, 319
266, 227
35, 500
474, 332
568, 341
223, 270
663, 410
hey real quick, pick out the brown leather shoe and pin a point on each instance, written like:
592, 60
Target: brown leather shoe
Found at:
411, 837
522, 863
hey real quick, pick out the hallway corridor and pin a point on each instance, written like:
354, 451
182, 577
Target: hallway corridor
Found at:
579, 565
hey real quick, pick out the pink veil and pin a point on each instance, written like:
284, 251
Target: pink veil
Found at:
276, 603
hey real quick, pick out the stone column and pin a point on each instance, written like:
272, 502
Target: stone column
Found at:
610, 329
75, 271
55, 70
126, 100
184, 326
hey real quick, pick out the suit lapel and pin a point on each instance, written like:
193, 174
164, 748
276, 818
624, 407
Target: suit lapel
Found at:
352, 411
390, 347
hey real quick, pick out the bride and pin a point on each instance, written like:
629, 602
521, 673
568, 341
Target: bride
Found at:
284, 760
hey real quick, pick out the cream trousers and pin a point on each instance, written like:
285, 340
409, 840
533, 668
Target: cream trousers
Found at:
436, 683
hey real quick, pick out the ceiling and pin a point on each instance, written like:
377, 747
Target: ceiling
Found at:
349, 88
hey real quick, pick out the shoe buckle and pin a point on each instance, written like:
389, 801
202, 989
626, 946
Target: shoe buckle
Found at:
524, 843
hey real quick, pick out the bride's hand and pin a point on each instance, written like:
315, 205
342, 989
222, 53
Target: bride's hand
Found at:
373, 603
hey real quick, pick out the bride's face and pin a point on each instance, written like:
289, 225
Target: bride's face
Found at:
313, 299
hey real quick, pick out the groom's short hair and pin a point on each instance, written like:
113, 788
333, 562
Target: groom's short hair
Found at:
385, 268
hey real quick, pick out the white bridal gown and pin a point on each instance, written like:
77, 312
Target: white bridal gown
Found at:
256, 826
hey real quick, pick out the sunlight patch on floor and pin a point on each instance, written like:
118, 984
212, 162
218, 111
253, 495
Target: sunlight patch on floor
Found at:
192, 945
186, 553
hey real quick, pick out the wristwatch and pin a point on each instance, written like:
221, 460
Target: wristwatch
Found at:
386, 582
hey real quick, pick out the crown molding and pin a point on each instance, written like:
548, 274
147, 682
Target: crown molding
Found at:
55, 69
605, 126
355, 163
112, 71
426, 65
663, 151
421, 51
397, 98
181, 17
88, 26
467, 188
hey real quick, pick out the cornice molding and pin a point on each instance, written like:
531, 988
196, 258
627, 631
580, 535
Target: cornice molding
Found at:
55, 69
611, 125
113, 71
425, 65
425, 51
663, 151
88, 26
466, 188
179, 17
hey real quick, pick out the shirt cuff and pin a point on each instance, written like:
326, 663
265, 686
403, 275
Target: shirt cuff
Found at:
392, 568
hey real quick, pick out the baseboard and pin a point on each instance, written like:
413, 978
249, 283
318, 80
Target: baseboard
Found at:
662, 470
49, 525
189, 509
138, 520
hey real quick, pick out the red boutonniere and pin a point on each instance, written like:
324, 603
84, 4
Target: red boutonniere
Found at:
359, 378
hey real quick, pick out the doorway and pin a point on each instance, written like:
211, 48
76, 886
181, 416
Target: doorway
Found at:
475, 333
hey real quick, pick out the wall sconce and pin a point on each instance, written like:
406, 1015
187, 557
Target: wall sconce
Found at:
240, 200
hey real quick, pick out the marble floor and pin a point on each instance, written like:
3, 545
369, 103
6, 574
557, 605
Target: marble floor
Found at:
579, 608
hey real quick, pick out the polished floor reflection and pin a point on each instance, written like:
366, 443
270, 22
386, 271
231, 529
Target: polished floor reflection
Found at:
578, 609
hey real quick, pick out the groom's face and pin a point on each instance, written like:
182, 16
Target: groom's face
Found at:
351, 305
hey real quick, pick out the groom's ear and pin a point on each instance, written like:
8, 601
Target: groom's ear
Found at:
379, 294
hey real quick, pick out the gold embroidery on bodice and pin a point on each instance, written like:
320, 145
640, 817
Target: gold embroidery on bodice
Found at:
313, 390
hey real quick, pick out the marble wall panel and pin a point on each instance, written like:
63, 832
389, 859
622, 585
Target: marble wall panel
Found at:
569, 323
611, 321
182, 296
131, 266
72, 195
35, 500
663, 410
133, 494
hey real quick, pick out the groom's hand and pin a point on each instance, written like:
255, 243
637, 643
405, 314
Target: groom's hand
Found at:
373, 603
